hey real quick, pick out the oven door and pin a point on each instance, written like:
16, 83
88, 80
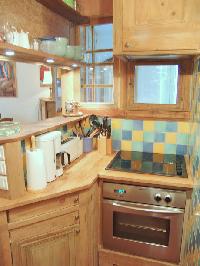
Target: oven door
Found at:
143, 230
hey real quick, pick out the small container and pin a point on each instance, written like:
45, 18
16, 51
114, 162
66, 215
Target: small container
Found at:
87, 144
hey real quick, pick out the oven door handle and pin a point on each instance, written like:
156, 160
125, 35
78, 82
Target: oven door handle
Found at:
145, 207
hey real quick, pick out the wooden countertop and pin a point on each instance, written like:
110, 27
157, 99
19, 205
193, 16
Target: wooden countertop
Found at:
27, 130
84, 172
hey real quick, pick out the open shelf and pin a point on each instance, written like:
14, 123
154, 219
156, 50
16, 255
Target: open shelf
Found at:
32, 56
59, 7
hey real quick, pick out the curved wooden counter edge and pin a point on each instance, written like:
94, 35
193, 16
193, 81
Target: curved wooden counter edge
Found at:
84, 172
43, 126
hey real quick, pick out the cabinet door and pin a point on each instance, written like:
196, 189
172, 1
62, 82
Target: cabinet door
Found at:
160, 25
47, 250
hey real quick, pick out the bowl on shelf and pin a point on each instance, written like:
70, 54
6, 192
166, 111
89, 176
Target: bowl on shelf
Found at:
54, 45
9, 128
74, 52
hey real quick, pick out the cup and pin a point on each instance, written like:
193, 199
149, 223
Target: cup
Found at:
87, 144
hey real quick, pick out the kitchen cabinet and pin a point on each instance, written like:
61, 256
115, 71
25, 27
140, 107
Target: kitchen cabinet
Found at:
58, 231
159, 26
57, 248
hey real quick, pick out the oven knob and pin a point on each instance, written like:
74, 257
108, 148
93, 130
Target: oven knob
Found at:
157, 197
168, 198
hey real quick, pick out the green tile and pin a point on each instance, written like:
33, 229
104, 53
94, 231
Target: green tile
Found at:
148, 137
137, 146
182, 138
160, 126
116, 134
127, 124
170, 148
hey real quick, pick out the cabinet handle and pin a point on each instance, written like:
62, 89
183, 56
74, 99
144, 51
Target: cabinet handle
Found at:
127, 45
77, 231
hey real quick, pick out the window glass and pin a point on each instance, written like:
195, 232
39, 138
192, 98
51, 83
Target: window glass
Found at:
156, 84
104, 75
97, 75
103, 95
103, 37
103, 57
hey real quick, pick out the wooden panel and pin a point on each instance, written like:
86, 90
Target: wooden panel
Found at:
111, 258
89, 227
98, 8
15, 173
44, 227
59, 7
5, 253
53, 249
160, 25
40, 208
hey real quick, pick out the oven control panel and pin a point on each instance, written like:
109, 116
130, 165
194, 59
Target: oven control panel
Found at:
146, 195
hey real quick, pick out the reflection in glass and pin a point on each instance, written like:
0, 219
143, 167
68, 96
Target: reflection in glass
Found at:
134, 227
103, 57
156, 84
103, 95
104, 75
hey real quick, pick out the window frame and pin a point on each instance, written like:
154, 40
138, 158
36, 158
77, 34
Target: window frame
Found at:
185, 67
93, 65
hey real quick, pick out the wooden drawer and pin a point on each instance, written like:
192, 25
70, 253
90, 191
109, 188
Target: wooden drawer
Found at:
45, 227
40, 208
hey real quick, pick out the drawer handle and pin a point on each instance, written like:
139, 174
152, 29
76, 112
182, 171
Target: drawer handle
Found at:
76, 200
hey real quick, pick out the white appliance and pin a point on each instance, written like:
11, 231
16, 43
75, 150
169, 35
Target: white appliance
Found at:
72, 148
50, 144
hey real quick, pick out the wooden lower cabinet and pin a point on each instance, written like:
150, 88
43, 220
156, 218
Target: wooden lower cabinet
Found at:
112, 258
57, 248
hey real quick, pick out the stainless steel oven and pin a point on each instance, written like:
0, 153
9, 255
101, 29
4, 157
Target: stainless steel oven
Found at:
143, 221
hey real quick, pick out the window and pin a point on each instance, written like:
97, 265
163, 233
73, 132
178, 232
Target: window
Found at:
97, 74
157, 86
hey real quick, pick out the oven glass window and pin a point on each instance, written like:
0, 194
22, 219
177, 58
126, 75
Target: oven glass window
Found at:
140, 228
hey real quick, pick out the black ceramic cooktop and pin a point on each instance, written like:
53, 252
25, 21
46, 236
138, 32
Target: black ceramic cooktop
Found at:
152, 163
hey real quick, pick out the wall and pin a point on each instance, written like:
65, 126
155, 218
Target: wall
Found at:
192, 241
32, 17
25, 107
150, 136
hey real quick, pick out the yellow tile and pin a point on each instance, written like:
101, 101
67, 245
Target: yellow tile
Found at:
137, 135
170, 138
149, 125
126, 145
184, 127
116, 123
158, 148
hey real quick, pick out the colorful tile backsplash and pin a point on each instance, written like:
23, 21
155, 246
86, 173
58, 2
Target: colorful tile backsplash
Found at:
150, 136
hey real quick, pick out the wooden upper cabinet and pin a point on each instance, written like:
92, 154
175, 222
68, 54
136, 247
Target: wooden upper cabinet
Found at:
157, 25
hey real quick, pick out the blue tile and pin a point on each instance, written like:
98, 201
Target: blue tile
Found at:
181, 149
147, 147
126, 135
159, 137
160, 126
116, 144
171, 127
138, 125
